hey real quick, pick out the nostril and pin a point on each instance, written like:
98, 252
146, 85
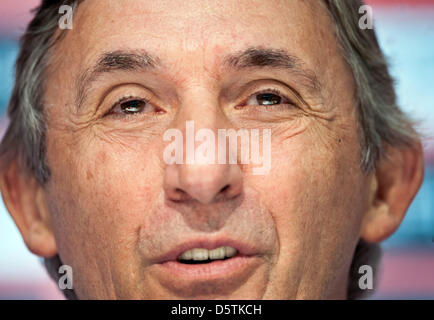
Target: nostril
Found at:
181, 195
179, 190
225, 188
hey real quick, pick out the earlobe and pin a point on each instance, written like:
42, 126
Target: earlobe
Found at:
397, 179
42, 241
379, 223
24, 199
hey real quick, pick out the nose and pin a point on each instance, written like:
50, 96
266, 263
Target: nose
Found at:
205, 183
202, 181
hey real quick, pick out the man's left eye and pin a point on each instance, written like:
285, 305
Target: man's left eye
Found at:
266, 99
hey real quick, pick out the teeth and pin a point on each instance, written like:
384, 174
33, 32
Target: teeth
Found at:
218, 253
187, 255
230, 252
200, 254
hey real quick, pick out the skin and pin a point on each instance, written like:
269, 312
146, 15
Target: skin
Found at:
112, 205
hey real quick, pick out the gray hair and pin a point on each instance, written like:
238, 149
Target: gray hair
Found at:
381, 122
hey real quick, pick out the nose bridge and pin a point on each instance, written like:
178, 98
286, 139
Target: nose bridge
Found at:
200, 176
201, 104
199, 119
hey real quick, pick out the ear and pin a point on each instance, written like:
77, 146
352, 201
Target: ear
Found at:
398, 177
24, 198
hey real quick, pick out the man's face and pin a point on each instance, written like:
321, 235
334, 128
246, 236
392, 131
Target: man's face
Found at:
130, 70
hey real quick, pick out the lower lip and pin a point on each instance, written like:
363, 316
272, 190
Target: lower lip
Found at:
211, 270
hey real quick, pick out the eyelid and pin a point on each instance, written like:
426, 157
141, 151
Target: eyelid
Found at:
130, 98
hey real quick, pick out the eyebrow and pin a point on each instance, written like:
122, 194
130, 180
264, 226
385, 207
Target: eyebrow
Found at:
260, 57
110, 62
274, 58
140, 60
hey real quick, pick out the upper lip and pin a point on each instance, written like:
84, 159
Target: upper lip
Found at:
207, 243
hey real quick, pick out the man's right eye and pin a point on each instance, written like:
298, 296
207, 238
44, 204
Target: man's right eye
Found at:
132, 106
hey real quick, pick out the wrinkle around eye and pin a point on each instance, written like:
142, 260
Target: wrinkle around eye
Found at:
125, 139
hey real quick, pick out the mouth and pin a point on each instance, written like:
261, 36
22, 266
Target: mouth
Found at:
208, 260
204, 256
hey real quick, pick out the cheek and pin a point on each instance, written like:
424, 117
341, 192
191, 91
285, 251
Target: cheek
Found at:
99, 196
315, 196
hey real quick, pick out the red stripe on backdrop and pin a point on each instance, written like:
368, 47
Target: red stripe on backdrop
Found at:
407, 273
14, 15
400, 2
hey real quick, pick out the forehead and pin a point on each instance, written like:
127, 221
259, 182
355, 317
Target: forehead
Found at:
199, 32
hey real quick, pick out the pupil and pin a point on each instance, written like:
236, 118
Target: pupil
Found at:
131, 106
268, 99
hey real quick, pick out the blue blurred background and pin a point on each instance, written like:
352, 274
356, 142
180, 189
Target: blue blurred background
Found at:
406, 33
